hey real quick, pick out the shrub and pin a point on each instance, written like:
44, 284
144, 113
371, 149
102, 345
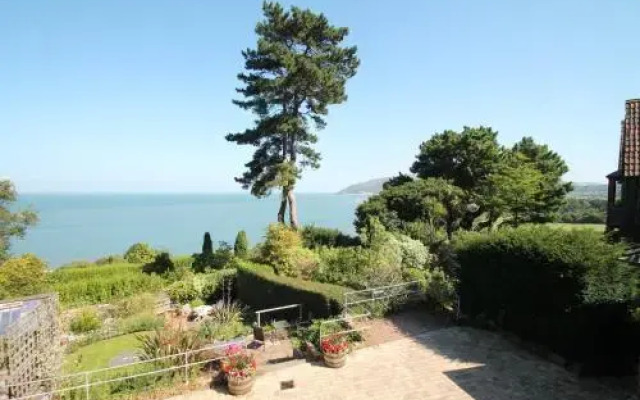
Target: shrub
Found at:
436, 285
222, 256
280, 242
182, 269
226, 312
22, 276
342, 266
183, 262
210, 330
315, 237
414, 253
206, 287
218, 259
145, 302
259, 287
182, 292
241, 245
311, 333
162, 264
212, 286
146, 321
167, 341
196, 303
384, 260
306, 262
380, 264
548, 286
140, 253
225, 322
283, 249
86, 321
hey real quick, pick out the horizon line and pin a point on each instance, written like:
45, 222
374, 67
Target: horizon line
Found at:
159, 192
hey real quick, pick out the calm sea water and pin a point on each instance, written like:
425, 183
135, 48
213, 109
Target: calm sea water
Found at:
85, 227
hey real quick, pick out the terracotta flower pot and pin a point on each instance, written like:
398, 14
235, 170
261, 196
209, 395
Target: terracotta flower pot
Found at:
240, 386
335, 360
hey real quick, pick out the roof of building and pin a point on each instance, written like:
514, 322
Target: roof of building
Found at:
12, 310
629, 162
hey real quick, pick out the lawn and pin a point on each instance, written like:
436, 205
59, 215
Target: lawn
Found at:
99, 354
595, 227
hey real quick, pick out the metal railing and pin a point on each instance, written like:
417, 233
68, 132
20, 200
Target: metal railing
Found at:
186, 361
287, 307
379, 293
348, 319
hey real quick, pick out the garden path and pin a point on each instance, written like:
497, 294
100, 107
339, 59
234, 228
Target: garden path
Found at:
452, 363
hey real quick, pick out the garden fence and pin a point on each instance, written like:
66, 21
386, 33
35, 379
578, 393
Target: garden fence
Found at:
84, 381
367, 298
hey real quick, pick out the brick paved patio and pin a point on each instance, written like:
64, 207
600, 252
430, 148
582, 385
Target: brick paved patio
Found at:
452, 363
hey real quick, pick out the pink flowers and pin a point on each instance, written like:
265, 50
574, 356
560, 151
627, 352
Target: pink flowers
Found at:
239, 363
334, 345
233, 349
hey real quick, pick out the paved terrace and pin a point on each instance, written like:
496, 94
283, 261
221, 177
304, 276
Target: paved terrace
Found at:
449, 363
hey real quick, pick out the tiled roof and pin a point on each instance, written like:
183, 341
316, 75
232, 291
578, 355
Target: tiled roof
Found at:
629, 163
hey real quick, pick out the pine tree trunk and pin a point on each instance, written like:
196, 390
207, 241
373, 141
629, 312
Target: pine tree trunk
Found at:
283, 206
293, 209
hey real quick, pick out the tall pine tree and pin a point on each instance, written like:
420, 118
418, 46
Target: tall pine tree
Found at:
207, 244
296, 71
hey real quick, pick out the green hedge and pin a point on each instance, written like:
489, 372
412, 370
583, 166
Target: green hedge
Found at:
101, 283
88, 271
259, 287
564, 289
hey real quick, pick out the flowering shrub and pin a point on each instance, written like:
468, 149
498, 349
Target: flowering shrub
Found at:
239, 364
334, 345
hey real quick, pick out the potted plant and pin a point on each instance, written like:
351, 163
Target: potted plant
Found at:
334, 349
239, 368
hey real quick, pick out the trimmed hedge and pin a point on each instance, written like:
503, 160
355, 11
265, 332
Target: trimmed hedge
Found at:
564, 289
259, 287
101, 283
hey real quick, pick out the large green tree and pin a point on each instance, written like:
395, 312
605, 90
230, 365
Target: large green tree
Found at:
474, 161
465, 158
467, 180
514, 191
13, 224
297, 70
424, 203
552, 167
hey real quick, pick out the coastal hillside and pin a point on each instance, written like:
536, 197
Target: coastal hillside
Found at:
372, 186
581, 190
589, 190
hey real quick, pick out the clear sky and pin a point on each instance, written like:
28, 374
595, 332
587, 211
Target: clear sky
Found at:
136, 95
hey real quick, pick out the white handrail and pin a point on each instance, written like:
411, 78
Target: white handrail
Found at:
99, 370
89, 384
289, 306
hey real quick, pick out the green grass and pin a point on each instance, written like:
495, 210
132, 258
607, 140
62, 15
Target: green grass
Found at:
97, 355
595, 227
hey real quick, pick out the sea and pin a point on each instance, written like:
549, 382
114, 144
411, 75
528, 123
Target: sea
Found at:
75, 227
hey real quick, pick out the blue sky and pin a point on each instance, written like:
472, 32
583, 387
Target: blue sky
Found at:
136, 95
